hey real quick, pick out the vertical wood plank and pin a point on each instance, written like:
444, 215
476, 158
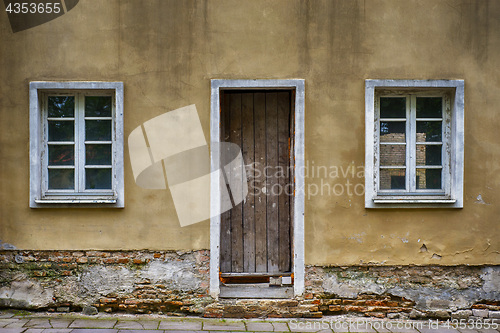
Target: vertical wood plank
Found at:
225, 220
237, 211
272, 181
260, 200
284, 180
249, 206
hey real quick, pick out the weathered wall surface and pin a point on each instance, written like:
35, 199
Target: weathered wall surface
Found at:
166, 52
177, 282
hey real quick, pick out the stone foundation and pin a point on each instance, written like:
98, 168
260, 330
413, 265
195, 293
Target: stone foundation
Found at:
177, 283
132, 281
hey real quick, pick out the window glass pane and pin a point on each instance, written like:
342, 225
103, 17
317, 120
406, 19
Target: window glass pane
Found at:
429, 179
393, 131
428, 131
97, 179
97, 106
61, 106
61, 155
392, 107
392, 155
98, 130
61, 130
98, 154
61, 179
428, 154
429, 107
392, 179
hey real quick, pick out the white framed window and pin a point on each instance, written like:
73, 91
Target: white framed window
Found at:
76, 144
414, 143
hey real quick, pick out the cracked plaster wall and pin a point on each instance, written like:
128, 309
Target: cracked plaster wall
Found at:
167, 51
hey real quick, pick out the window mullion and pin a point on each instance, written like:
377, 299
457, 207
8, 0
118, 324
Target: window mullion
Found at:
412, 138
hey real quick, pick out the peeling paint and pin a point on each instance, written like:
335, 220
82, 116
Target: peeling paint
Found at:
479, 200
357, 237
6, 246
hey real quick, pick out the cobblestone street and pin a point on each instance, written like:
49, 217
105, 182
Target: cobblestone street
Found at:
25, 322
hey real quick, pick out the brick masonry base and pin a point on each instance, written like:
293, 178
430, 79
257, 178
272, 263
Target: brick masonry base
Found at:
176, 283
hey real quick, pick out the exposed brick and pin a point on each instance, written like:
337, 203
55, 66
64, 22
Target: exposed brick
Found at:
107, 300
317, 314
131, 301
375, 314
381, 303
332, 301
335, 308
82, 260
354, 308
39, 273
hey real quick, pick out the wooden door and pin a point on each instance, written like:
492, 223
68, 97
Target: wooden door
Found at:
256, 235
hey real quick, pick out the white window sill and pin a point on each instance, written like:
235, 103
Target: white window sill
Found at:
404, 200
77, 201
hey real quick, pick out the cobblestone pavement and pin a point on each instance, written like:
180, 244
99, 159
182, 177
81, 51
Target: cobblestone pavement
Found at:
26, 322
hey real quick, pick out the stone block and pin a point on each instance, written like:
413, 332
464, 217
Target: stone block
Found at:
483, 313
494, 314
461, 314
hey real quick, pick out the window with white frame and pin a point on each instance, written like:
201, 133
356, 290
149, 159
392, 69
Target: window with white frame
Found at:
414, 143
76, 134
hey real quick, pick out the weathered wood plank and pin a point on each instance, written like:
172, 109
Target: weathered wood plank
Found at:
249, 205
259, 182
237, 211
272, 181
255, 291
225, 221
284, 180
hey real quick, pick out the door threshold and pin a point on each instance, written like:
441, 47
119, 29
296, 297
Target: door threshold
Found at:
257, 290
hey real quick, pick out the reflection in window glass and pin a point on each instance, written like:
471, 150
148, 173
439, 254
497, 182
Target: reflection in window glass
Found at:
61, 179
429, 131
392, 155
61, 106
392, 179
429, 155
97, 106
98, 130
429, 107
392, 107
61, 130
429, 179
61, 155
98, 154
97, 179
393, 131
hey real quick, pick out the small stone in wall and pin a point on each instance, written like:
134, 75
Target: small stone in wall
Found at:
483, 313
90, 310
461, 314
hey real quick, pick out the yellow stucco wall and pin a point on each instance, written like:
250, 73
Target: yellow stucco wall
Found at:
166, 52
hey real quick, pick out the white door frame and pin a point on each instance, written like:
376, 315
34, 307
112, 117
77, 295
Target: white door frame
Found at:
298, 211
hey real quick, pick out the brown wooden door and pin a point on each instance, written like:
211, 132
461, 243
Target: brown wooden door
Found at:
256, 235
